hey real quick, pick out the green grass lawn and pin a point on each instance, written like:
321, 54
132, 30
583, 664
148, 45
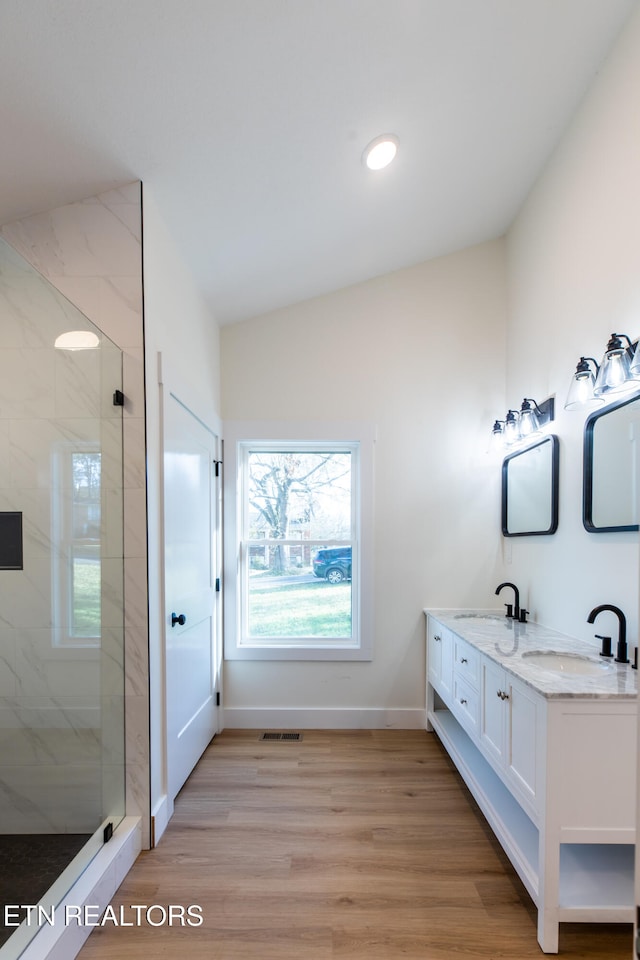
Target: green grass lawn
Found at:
300, 610
86, 598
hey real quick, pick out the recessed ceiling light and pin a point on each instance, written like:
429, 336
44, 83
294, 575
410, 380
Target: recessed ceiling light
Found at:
77, 340
380, 152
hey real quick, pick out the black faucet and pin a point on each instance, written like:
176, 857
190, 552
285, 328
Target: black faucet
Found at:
513, 610
621, 653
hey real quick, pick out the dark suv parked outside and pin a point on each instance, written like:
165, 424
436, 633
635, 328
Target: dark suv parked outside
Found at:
334, 564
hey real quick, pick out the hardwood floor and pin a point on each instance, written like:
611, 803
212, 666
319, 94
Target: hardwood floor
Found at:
358, 845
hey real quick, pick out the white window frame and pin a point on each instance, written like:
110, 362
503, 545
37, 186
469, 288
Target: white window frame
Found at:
238, 435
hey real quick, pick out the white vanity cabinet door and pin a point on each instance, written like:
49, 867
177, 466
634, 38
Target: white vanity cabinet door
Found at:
493, 716
525, 742
440, 658
510, 732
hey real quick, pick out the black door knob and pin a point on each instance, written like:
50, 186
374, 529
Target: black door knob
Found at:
181, 619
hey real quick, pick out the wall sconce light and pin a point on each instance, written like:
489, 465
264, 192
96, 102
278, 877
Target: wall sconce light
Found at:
511, 427
496, 443
616, 375
521, 424
582, 383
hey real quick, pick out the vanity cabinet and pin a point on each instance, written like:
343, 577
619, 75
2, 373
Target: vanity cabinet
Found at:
465, 701
440, 657
510, 732
551, 765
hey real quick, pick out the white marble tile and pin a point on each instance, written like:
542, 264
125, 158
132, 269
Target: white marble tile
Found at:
27, 746
113, 304
137, 662
113, 789
80, 239
134, 462
36, 445
5, 455
57, 798
135, 534
35, 506
112, 593
133, 382
27, 598
43, 670
27, 384
111, 653
78, 388
135, 592
126, 204
113, 731
61, 713
8, 675
112, 523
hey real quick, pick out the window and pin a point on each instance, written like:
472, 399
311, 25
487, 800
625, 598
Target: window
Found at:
298, 563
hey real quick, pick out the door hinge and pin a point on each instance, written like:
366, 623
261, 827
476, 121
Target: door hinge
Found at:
118, 398
217, 584
108, 832
217, 464
218, 698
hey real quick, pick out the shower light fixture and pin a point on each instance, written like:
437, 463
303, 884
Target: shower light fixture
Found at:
77, 340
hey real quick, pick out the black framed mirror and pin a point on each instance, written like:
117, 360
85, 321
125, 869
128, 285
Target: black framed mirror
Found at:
609, 500
530, 490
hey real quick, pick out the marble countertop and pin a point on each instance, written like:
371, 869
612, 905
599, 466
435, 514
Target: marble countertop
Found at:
505, 642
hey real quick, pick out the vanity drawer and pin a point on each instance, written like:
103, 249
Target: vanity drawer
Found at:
466, 705
466, 663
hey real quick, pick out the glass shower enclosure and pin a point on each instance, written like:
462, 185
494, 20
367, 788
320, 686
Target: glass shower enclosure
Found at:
61, 595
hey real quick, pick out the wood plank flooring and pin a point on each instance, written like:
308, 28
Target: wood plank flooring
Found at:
358, 845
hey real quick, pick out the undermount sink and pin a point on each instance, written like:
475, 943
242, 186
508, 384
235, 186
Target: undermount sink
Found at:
477, 616
559, 662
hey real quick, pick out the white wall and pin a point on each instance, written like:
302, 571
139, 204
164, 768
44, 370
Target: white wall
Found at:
383, 351
180, 326
574, 278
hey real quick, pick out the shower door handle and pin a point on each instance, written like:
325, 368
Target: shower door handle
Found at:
180, 618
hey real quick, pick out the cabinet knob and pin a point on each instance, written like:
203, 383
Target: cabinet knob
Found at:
463, 702
437, 639
463, 660
499, 693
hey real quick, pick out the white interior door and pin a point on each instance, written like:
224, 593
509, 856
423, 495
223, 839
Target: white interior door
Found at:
191, 523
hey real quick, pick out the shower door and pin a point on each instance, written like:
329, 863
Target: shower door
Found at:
61, 594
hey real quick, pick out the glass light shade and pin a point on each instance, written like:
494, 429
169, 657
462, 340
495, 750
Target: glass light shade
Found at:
496, 442
614, 375
581, 391
511, 427
635, 362
529, 422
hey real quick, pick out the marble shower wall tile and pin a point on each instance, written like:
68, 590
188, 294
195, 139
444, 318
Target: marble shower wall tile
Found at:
91, 252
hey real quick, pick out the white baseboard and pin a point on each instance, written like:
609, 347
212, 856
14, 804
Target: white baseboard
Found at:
95, 887
329, 718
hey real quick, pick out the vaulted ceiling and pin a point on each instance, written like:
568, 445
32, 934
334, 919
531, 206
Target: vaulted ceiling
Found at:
248, 118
